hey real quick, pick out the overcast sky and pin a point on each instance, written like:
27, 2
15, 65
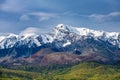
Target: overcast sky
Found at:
18, 15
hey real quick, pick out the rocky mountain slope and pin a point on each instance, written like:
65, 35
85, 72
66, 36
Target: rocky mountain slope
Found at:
64, 44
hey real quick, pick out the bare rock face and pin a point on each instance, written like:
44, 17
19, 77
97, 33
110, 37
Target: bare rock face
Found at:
63, 45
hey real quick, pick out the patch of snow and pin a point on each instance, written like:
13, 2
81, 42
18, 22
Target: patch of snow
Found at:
119, 45
67, 43
2, 38
11, 35
47, 38
24, 36
37, 42
113, 35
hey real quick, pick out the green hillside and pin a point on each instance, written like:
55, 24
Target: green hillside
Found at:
92, 71
82, 71
7, 74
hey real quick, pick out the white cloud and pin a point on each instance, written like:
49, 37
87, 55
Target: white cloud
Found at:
41, 16
24, 17
11, 6
113, 16
31, 30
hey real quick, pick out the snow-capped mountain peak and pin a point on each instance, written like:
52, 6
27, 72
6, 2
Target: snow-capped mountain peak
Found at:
12, 35
79, 31
61, 26
61, 32
111, 37
85, 31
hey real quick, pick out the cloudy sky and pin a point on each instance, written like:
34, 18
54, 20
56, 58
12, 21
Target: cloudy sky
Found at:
42, 15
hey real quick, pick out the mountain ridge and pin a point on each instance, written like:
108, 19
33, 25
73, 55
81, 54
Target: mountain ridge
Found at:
61, 28
64, 45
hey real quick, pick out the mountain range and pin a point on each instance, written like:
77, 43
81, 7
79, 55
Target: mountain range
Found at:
63, 44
